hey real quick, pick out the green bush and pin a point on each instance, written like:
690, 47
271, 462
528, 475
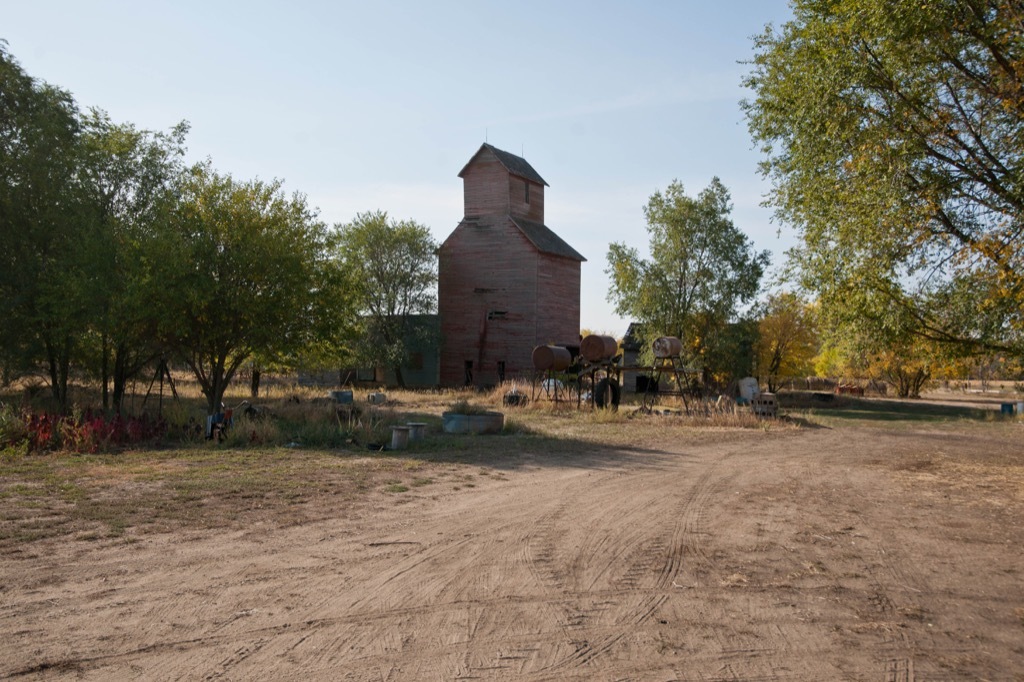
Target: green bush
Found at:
13, 428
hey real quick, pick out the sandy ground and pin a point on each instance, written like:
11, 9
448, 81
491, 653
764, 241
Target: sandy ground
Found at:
805, 554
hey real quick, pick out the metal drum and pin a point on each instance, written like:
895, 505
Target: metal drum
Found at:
595, 348
554, 358
667, 347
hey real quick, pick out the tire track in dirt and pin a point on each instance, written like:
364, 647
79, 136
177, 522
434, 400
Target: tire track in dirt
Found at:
648, 570
568, 550
449, 582
225, 667
220, 632
604, 524
896, 586
598, 547
540, 545
690, 534
900, 670
676, 518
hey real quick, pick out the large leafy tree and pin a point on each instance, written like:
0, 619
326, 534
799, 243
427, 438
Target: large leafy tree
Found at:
237, 272
701, 268
854, 352
393, 264
113, 253
128, 173
332, 337
894, 137
906, 366
48, 229
787, 338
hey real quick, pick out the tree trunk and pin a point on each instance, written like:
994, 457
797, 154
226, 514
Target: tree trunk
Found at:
120, 377
105, 371
918, 381
51, 361
254, 382
215, 393
908, 383
399, 379
219, 378
65, 370
59, 361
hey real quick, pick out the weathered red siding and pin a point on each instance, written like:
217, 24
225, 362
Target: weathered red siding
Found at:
488, 268
484, 187
558, 300
534, 210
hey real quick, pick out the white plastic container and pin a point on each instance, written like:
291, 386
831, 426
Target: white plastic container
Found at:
748, 390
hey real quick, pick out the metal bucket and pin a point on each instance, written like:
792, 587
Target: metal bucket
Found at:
417, 430
555, 358
399, 437
343, 397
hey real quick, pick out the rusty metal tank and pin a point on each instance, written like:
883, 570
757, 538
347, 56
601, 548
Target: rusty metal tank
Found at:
667, 347
554, 358
595, 348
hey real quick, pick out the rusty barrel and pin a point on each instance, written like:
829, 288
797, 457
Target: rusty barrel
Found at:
554, 358
667, 347
595, 348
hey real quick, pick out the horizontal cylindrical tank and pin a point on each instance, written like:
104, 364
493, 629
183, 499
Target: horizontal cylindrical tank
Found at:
596, 347
667, 347
555, 358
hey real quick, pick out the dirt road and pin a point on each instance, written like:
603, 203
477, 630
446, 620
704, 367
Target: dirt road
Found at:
803, 554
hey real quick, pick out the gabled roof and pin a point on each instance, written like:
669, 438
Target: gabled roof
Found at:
545, 239
516, 165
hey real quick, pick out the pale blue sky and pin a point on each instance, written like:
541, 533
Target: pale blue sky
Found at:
378, 105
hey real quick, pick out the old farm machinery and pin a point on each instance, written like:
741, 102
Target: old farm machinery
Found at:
593, 373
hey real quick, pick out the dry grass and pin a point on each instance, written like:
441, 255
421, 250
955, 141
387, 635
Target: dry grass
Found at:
283, 465
304, 460
132, 493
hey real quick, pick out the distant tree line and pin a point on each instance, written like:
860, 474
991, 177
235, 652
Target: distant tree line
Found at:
702, 284
117, 256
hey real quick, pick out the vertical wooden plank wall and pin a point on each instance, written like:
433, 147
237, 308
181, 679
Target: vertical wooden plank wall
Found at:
498, 294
